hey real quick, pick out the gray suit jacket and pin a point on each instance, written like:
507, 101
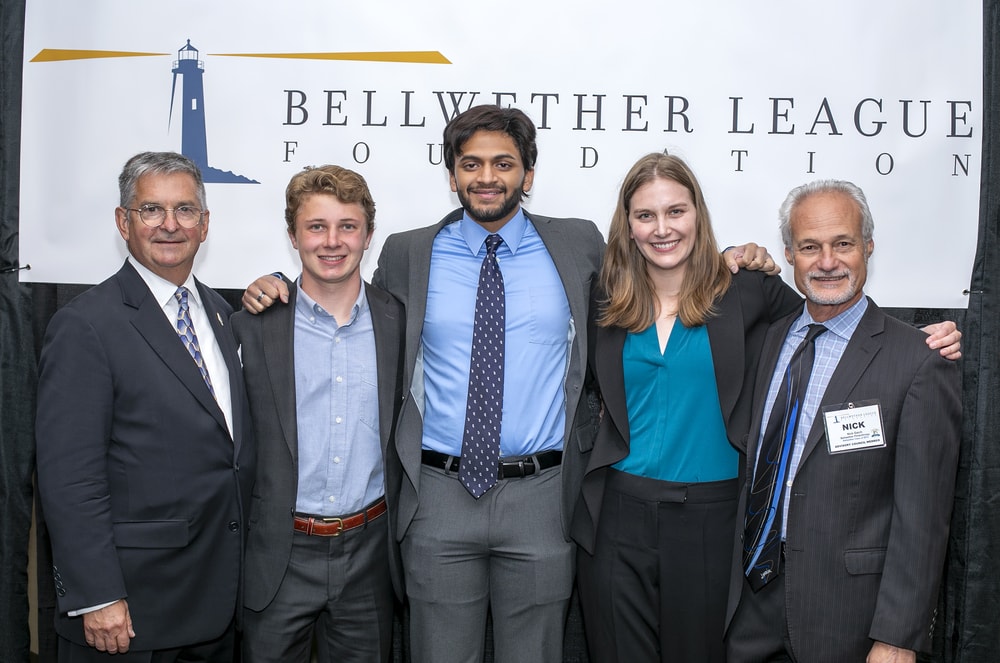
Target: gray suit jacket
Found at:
267, 341
867, 530
576, 247
143, 488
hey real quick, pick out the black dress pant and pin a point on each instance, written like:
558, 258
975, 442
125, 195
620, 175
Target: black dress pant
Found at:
656, 587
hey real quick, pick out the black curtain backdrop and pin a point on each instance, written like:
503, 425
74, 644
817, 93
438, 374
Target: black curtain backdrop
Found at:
17, 366
968, 622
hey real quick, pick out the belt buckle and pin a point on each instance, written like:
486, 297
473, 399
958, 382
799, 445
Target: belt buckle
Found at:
328, 521
525, 466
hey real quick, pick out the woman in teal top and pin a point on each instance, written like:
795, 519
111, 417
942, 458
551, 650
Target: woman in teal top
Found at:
675, 342
674, 412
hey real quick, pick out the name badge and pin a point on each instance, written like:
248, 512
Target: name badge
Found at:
853, 426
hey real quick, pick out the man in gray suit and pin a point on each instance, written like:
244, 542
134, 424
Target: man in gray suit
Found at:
323, 381
840, 556
505, 551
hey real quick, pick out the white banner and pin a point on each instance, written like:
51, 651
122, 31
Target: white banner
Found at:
758, 97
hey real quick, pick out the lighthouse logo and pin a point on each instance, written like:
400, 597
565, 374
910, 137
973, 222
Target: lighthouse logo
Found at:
190, 69
194, 139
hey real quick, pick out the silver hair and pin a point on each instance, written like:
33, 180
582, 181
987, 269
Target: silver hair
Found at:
800, 193
157, 163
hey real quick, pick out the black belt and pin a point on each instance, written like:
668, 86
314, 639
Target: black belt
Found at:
510, 468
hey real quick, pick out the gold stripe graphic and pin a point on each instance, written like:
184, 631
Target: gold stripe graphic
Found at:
61, 54
416, 57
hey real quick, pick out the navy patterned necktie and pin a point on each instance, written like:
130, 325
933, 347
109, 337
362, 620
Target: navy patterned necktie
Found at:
185, 329
762, 533
480, 463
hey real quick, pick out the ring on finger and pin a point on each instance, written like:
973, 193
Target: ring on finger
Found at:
260, 296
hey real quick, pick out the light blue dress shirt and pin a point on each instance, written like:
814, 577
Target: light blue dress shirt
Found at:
539, 335
830, 346
336, 403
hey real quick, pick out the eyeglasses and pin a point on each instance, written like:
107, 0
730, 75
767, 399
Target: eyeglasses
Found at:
153, 216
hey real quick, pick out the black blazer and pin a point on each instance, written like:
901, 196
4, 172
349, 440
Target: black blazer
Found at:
142, 487
735, 334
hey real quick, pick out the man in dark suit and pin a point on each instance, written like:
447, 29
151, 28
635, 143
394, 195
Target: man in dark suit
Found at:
840, 555
323, 381
144, 447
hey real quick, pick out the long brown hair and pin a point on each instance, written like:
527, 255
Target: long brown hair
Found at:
631, 298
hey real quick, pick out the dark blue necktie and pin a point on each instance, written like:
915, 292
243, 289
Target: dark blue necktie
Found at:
762, 533
185, 329
480, 463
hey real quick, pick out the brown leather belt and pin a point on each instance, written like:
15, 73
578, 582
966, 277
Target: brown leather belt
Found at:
320, 526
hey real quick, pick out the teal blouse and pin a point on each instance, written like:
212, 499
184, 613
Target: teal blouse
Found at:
676, 431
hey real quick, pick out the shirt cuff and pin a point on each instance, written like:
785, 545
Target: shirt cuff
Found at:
83, 611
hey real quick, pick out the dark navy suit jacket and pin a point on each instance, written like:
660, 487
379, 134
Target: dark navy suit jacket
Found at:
142, 486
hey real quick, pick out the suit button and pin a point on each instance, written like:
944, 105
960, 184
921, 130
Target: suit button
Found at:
61, 592
234, 526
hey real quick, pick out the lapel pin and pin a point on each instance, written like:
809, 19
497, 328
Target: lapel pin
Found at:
219, 318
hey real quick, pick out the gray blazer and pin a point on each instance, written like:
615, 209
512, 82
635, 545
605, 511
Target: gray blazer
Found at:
867, 530
577, 248
267, 341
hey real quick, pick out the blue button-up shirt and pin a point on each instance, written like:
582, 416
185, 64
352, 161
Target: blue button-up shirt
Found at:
539, 335
336, 402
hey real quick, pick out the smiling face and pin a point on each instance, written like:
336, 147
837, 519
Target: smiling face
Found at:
489, 178
662, 222
331, 238
828, 253
169, 250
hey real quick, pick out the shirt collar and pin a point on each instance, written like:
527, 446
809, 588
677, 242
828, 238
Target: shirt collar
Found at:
512, 232
162, 289
842, 324
306, 305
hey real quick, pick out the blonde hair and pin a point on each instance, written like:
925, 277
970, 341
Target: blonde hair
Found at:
630, 296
